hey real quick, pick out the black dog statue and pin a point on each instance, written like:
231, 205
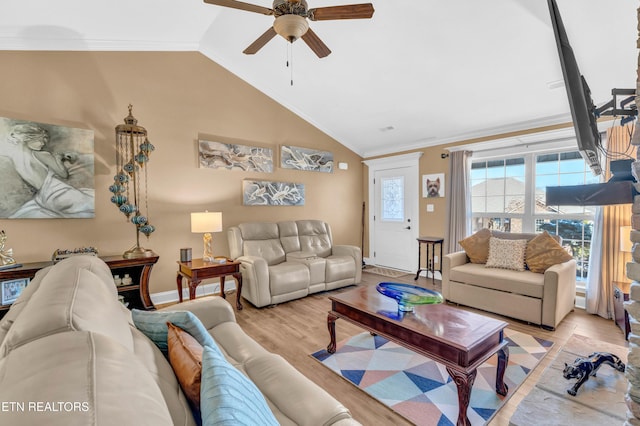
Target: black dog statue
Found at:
583, 368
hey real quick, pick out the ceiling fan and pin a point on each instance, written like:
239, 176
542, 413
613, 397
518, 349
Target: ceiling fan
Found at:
291, 20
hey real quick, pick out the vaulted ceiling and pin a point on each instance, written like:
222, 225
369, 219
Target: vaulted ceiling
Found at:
419, 73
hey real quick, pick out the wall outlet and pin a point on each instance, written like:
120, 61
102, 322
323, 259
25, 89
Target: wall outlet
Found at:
430, 208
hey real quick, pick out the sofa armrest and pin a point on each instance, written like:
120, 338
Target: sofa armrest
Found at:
210, 310
449, 261
255, 280
353, 251
559, 293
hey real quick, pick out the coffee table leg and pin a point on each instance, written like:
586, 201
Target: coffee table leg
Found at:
503, 360
463, 382
331, 325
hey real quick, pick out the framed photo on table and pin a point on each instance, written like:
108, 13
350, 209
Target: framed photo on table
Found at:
11, 289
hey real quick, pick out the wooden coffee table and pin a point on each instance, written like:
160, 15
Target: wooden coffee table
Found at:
460, 340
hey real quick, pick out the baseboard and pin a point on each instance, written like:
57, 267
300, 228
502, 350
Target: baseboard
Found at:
171, 296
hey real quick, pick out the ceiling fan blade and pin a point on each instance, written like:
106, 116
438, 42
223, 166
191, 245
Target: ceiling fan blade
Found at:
242, 6
350, 11
317, 45
260, 42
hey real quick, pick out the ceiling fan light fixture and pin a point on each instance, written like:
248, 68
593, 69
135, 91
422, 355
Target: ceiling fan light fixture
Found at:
291, 27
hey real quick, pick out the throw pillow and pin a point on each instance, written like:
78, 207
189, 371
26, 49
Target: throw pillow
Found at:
154, 325
228, 397
477, 246
506, 254
543, 252
185, 357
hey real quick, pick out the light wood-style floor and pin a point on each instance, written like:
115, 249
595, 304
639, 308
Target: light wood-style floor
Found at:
298, 328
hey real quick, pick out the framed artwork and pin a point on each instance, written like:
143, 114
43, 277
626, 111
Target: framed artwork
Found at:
11, 289
293, 157
228, 156
46, 171
433, 185
269, 193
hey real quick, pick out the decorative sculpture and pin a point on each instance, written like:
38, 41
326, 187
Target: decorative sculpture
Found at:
6, 254
583, 368
130, 182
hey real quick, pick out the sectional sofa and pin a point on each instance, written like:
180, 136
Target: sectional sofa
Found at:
71, 355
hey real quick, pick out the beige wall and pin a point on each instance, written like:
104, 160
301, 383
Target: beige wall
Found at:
178, 98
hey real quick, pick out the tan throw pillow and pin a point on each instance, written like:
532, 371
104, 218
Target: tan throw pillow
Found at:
185, 356
477, 246
506, 254
543, 252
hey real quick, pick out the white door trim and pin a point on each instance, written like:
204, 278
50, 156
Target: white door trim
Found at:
411, 160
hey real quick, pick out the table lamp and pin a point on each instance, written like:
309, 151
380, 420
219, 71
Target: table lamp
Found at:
206, 222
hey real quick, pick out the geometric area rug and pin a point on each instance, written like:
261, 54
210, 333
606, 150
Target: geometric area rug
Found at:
420, 389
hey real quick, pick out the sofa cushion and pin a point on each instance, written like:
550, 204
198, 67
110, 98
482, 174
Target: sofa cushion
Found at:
228, 397
526, 283
287, 277
70, 298
154, 325
477, 246
79, 378
543, 252
156, 363
506, 254
185, 356
262, 240
314, 237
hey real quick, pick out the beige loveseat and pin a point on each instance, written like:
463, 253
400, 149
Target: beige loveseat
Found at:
70, 355
289, 260
539, 298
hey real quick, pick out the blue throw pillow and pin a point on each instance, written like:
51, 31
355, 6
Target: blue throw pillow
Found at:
228, 397
154, 325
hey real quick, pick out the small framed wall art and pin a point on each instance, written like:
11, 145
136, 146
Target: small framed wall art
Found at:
433, 185
11, 289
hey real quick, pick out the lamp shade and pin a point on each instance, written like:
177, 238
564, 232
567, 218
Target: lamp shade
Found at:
203, 222
625, 239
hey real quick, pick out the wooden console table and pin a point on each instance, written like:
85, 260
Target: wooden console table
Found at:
430, 242
198, 270
136, 294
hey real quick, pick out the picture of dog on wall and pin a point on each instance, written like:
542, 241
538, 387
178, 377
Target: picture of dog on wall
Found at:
433, 185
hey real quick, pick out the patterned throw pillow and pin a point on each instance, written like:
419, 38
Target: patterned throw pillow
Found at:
543, 252
185, 357
477, 246
228, 397
506, 254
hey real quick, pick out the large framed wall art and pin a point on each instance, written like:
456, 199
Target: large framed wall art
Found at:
218, 155
293, 157
46, 171
270, 193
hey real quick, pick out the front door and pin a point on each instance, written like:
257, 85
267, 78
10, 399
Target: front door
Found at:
395, 230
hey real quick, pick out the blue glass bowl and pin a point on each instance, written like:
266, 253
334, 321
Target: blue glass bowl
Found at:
408, 296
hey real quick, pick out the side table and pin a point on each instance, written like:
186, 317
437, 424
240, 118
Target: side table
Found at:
430, 242
621, 295
198, 270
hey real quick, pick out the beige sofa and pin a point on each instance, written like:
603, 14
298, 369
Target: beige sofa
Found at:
539, 298
289, 260
70, 355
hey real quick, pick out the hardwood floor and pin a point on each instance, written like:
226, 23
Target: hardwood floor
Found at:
298, 328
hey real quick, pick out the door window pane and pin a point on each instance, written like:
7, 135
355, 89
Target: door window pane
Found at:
392, 199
